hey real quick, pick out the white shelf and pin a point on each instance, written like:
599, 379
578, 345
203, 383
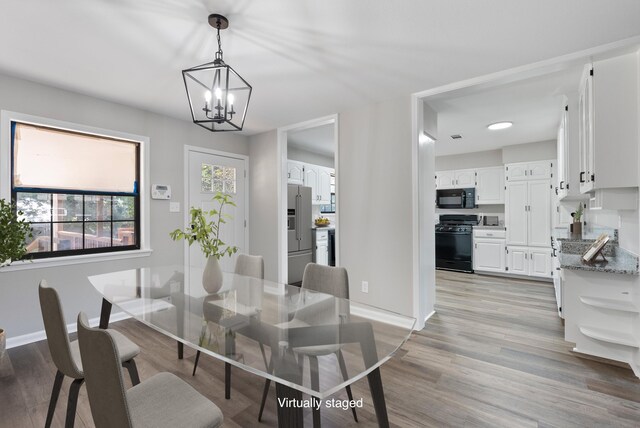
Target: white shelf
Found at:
614, 304
610, 336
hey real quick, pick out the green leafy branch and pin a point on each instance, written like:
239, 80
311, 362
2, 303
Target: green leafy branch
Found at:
207, 232
13, 233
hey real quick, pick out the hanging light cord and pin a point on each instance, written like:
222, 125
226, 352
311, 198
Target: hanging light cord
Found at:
219, 53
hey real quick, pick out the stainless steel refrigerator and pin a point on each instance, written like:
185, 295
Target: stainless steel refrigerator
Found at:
298, 230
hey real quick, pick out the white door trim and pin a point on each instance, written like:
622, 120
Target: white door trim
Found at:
185, 177
283, 264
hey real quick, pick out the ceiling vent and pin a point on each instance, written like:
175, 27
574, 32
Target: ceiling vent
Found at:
456, 136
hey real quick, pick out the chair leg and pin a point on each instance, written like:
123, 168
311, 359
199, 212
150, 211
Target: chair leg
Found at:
74, 390
265, 392
345, 376
55, 393
195, 364
133, 371
314, 371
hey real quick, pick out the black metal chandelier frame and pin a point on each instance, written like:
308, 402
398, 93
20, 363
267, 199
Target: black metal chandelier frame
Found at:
219, 98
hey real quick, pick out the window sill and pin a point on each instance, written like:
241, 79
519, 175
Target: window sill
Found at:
74, 260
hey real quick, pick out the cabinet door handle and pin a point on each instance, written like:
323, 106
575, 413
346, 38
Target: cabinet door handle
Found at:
582, 177
562, 185
526, 172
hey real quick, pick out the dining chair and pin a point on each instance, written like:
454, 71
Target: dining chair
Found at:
328, 280
66, 354
249, 266
164, 400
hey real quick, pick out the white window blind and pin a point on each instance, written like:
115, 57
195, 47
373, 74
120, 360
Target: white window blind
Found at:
48, 158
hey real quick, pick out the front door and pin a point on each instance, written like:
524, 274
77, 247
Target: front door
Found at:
208, 174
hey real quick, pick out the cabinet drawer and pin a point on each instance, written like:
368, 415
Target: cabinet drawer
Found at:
489, 233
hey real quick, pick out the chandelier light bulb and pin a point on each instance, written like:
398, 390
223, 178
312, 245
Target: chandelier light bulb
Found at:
230, 99
207, 96
218, 93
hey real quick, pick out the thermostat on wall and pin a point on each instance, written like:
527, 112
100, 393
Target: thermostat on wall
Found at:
160, 191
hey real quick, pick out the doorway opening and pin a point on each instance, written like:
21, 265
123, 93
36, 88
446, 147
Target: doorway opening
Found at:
308, 202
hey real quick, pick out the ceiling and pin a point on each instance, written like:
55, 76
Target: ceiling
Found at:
533, 105
318, 140
305, 59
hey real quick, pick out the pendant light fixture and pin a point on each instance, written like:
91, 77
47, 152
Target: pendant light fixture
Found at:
218, 96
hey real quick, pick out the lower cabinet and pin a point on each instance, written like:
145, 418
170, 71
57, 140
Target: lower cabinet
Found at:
488, 255
529, 261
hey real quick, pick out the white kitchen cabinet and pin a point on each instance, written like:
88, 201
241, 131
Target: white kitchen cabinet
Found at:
490, 186
540, 262
518, 260
528, 213
561, 148
445, 179
529, 261
526, 171
311, 175
295, 172
539, 214
321, 247
465, 178
324, 185
489, 250
608, 124
568, 165
515, 211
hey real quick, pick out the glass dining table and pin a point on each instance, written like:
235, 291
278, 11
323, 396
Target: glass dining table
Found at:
265, 328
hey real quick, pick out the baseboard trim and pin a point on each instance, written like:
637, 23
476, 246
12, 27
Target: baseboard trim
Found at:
385, 317
25, 339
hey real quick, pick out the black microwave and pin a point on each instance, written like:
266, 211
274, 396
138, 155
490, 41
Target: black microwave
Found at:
456, 198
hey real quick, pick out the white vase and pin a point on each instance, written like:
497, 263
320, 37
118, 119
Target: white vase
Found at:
3, 343
212, 275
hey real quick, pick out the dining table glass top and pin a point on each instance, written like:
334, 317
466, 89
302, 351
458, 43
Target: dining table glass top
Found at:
264, 327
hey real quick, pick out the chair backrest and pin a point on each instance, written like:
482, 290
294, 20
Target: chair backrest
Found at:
103, 375
56, 329
326, 279
250, 266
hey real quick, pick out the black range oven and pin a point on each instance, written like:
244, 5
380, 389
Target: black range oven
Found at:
454, 242
456, 198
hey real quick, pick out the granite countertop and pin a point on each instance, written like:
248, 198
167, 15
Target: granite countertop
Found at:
588, 234
483, 227
330, 227
622, 262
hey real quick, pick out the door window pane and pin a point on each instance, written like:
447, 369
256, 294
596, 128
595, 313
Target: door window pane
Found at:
218, 178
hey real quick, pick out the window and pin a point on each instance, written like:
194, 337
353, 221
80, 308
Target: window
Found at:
78, 191
218, 178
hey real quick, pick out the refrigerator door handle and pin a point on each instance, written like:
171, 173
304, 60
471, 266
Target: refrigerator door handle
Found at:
298, 204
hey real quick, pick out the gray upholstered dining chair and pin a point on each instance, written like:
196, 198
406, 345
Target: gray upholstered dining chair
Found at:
66, 354
246, 265
329, 280
164, 400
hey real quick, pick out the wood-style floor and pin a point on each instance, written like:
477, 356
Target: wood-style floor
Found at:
492, 355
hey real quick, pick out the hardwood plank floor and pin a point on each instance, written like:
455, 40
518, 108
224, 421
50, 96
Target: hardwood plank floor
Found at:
492, 355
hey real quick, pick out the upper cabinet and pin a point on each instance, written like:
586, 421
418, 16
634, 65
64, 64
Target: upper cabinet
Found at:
608, 124
525, 171
568, 165
445, 179
490, 186
295, 172
465, 178
319, 178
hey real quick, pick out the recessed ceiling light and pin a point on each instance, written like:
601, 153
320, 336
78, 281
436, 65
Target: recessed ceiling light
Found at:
500, 125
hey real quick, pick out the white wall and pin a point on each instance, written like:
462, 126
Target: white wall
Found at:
19, 307
295, 153
375, 217
263, 200
469, 160
541, 150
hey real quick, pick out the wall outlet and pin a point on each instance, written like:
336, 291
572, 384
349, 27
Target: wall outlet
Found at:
365, 286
